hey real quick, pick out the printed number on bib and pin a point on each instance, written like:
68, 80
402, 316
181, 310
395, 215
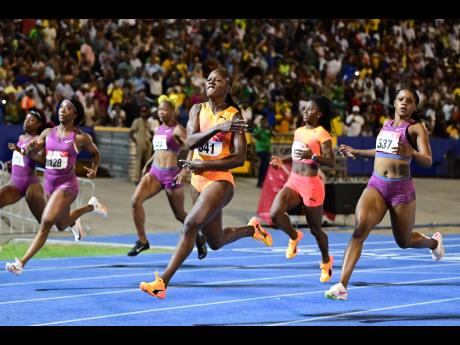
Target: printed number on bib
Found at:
18, 159
298, 145
159, 142
211, 148
56, 159
386, 141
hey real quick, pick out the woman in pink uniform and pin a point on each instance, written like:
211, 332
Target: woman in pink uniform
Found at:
24, 182
311, 148
390, 188
62, 144
164, 174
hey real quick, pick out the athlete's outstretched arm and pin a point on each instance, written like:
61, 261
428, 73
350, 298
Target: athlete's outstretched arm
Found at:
348, 151
87, 144
36, 144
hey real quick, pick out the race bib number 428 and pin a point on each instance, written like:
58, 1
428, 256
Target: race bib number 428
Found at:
386, 141
211, 148
56, 159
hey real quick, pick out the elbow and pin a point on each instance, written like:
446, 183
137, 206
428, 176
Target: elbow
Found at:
240, 162
190, 144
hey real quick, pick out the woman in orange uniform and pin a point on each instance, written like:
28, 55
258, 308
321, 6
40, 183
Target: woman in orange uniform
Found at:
311, 148
215, 130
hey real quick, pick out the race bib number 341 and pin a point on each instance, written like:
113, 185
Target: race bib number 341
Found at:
211, 148
386, 141
56, 159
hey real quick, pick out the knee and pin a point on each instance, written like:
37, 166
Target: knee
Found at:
315, 230
135, 203
361, 231
214, 246
47, 224
179, 216
403, 243
191, 226
275, 214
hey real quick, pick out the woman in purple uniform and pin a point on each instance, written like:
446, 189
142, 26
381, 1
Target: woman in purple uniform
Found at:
24, 182
164, 174
391, 187
62, 144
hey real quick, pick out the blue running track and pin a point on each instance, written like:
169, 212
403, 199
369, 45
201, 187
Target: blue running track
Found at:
244, 283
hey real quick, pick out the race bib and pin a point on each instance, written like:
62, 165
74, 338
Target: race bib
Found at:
298, 145
211, 148
159, 142
56, 160
386, 141
18, 159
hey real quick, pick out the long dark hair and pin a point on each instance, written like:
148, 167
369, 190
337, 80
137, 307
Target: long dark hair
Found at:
229, 79
325, 107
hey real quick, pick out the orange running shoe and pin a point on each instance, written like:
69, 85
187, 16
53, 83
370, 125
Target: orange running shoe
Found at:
156, 288
260, 234
291, 250
326, 270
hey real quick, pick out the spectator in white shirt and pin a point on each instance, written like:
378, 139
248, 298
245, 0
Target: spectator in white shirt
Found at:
354, 122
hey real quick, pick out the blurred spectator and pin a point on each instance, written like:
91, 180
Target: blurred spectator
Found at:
117, 116
276, 64
262, 135
141, 135
354, 122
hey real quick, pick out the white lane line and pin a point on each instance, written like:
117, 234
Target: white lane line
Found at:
133, 264
220, 268
188, 306
262, 253
218, 282
365, 311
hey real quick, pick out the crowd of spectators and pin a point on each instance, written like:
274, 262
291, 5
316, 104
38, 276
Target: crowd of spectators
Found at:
115, 67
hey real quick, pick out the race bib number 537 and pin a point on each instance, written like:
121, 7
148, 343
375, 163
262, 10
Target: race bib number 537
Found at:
386, 141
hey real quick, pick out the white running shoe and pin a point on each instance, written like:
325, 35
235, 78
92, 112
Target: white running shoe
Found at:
14, 267
337, 291
439, 251
99, 208
77, 230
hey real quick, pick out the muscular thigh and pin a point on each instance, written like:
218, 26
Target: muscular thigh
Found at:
9, 195
213, 229
371, 208
58, 205
209, 202
147, 188
176, 198
285, 200
403, 220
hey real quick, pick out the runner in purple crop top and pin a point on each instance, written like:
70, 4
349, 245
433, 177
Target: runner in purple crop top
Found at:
164, 174
24, 182
391, 187
62, 144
